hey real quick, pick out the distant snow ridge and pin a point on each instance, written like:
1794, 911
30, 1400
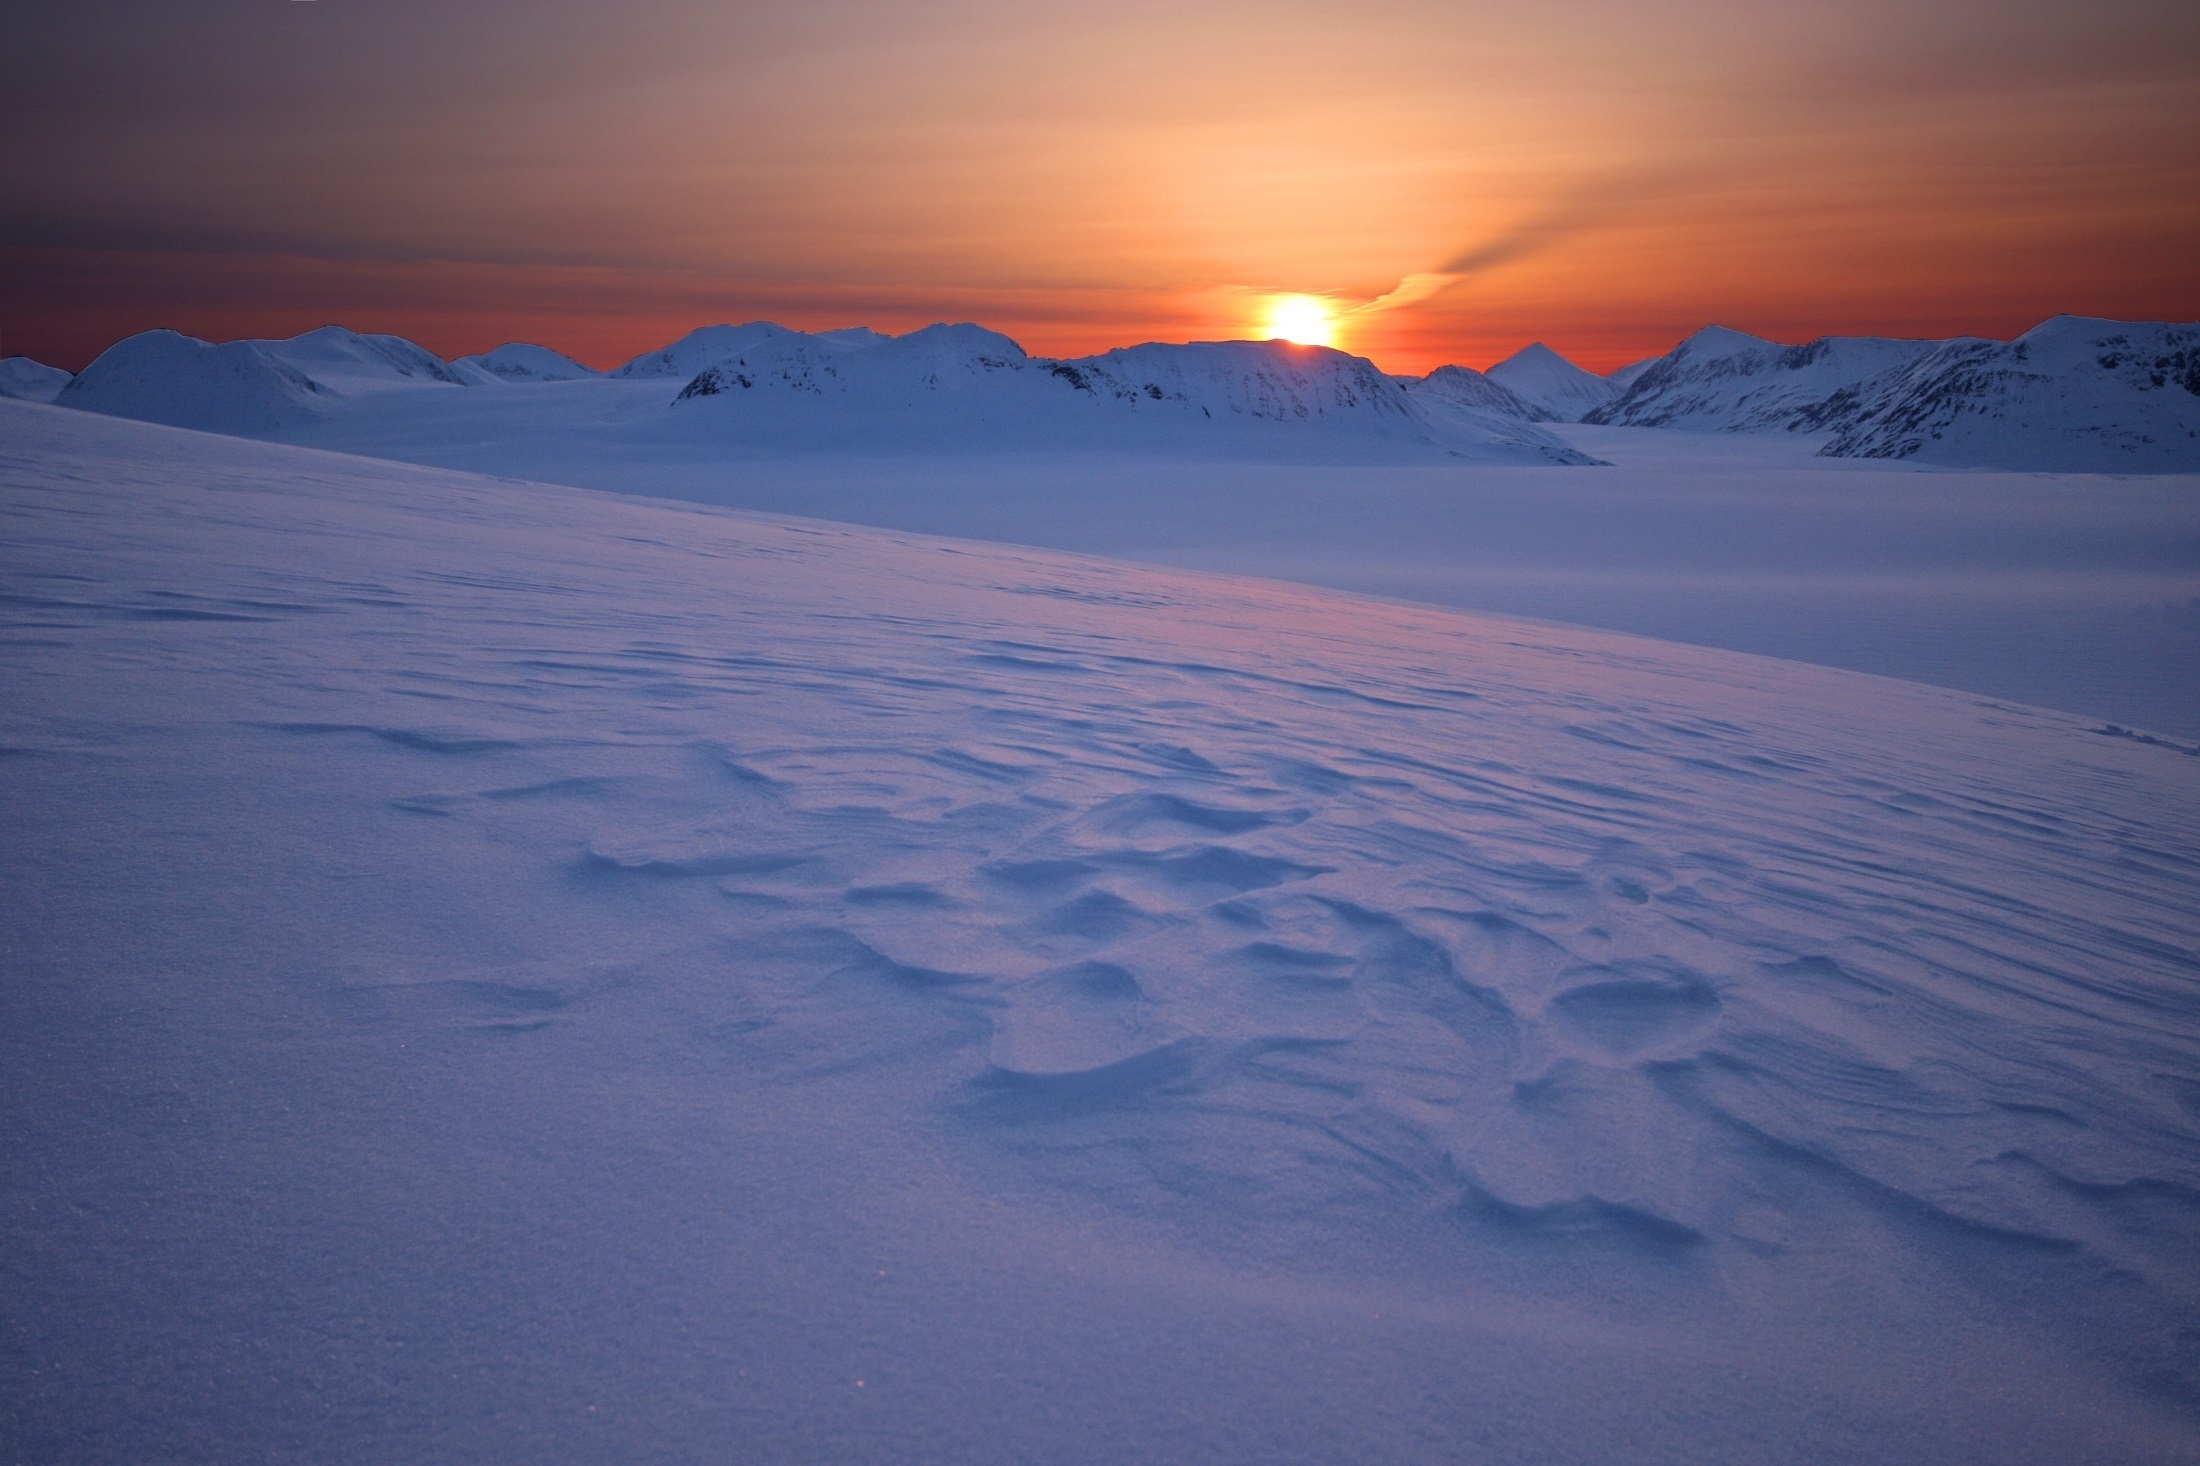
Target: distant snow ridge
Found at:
30, 381
247, 387
521, 361
167, 377
1727, 381
962, 384
1540, 376
361, 360
704, 347
1459, 386
883, 371
2073, 394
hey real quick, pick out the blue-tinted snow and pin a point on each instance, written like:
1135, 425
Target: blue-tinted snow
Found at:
497, 972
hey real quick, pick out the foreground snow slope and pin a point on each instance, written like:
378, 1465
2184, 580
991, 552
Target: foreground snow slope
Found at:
498, 972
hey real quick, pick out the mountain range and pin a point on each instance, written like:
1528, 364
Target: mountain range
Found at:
2074, 394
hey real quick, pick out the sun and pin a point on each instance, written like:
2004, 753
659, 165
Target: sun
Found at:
1301, 318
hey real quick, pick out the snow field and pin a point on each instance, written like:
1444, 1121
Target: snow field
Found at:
498, 964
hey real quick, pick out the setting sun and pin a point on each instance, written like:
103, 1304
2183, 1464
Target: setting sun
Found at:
1301, 318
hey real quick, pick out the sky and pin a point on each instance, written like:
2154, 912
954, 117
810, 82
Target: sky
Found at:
1454, 179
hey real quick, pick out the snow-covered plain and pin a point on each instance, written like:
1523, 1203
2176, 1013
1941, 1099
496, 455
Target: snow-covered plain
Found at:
2077, 591
2074, 591
503, 972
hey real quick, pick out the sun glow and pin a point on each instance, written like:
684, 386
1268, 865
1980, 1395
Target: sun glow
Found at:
1302, 318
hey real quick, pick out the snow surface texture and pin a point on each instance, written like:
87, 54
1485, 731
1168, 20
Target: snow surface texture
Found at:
1540, 376
30, 381
503, 972
2072, 395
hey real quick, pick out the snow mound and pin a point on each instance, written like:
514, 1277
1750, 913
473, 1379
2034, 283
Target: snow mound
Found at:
520, 361
697, 941
1540, 376
1722, 380
700, 348
166, 377
2073, 395
30, 381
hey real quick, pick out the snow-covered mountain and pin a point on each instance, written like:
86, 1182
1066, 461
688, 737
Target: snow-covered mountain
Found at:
248, 387
1458, 386
1540, 376
166, 377
506, 973
763, 386
336, 357
521, 361
30, 381
705, 346
1728, 381
1624, 378
2072, 394
962, 384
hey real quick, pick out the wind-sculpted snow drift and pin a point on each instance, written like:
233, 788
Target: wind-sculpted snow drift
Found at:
503, 972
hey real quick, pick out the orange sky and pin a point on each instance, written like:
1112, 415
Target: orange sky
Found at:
1603, 176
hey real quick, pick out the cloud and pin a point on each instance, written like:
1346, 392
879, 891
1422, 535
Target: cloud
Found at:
1583, 211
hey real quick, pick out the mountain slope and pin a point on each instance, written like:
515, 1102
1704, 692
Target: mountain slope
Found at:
703, 347
501, 973
1727, 381
1540, 376
166, 377
30, 381
2073, 394
1459, 386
